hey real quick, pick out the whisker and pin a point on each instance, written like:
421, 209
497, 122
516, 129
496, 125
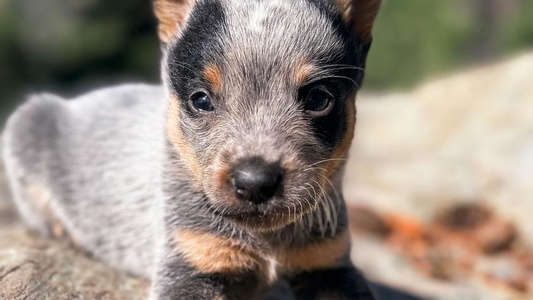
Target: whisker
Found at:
327, 160
337, 199
320, 218
311, 215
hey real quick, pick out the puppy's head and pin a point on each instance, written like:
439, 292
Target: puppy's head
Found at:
262, 97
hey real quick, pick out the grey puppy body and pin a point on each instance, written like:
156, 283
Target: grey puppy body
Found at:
93, 164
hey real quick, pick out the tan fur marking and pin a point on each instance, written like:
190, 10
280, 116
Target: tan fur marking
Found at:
213, 76
222, 176
341, 151
58, 229
175, 136
172, 16
360, 14
40, 196
303, 71
322, 255
211, 254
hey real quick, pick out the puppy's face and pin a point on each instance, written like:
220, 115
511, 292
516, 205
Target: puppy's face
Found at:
262, 99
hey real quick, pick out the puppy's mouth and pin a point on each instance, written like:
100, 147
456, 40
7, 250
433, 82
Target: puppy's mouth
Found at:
264, 218
256, 212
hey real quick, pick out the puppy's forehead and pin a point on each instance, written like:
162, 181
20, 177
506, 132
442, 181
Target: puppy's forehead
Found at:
256, 44
278, 30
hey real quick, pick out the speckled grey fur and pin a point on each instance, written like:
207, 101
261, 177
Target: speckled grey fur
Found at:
103, 188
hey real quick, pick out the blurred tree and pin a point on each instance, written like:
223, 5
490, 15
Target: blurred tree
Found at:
490, 18
415, 39
69, 46
519, 27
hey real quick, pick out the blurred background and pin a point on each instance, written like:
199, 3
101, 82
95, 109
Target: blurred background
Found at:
68, 46
440, 181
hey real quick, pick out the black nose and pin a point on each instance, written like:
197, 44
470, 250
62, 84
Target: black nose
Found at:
257, 183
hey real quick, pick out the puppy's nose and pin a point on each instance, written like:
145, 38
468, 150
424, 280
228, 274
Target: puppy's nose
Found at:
257, 183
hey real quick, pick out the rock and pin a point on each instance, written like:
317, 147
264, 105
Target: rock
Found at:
496, 236
464, 138
464, 216
366, 220
35, 268
482, 226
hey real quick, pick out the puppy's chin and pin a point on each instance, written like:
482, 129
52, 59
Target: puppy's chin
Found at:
266, 218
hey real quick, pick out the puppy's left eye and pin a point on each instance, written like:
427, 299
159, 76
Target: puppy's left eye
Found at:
318, 102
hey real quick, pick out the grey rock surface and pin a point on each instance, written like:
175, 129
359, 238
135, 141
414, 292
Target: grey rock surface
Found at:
35, 268
467, 137
464, 138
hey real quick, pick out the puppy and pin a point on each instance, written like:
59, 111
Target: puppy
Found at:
225, 181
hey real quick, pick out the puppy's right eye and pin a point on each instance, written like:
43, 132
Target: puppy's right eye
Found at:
202, 102
318, 102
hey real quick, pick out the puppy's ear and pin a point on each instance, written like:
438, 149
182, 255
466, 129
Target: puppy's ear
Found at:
360, 16
172, 16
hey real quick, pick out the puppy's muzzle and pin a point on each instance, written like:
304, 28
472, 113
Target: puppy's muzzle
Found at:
257, 182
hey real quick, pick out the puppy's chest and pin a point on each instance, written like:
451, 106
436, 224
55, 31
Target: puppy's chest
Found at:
213, 254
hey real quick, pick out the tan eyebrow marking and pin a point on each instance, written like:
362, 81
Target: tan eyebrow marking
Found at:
303, 71
213, 76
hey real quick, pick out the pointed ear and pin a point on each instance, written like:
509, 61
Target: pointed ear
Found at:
172, 16
360, 16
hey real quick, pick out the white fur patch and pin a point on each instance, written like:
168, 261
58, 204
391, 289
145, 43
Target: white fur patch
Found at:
272, 269
263, 11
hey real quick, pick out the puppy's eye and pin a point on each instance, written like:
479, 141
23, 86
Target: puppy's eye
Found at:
202, 102
318, 102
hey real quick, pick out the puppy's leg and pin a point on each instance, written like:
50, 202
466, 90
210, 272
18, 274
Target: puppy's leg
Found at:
29, 140
169, 285
322, 270
342, 283
202, 265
